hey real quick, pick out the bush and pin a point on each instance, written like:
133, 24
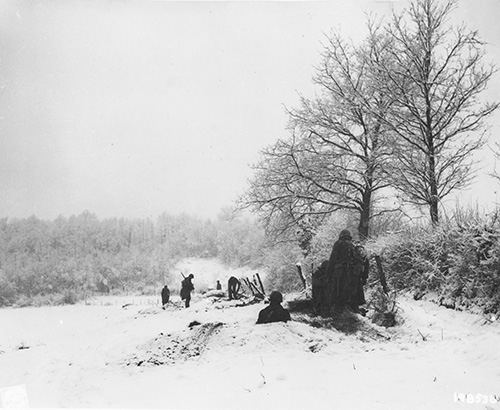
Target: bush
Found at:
458, 261
8, 292
384, 307
69, 297
281, 266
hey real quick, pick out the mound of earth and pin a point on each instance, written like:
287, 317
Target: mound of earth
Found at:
169, 349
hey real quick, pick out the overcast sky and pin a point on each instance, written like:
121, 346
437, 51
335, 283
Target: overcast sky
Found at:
135, 108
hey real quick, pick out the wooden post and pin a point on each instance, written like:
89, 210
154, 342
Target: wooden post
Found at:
254, 281
261, 285
301, 275
253, 288
256, 291
247, 282
381, 274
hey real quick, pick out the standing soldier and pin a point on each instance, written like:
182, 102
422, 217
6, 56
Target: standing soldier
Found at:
360, 270
218, 286
186, 288
165, 296
320, 289
339, 271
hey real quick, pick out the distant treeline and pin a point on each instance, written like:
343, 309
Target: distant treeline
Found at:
66, 259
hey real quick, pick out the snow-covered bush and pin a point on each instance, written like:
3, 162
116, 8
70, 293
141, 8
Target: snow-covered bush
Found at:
384, 306
280, 263
459, 260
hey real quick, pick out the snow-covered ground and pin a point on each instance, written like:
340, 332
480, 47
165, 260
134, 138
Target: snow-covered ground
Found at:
78, 357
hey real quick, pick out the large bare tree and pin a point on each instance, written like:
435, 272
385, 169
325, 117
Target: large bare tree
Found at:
294, 188
336, 156
435, 76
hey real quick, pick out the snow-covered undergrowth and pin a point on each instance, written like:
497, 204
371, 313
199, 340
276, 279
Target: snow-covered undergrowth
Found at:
77, 356
456, 264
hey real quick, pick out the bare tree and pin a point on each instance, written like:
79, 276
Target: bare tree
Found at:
345, 122
336, 156
290, 203
434, 77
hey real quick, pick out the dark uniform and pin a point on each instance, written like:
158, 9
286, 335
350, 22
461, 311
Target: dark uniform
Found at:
339, 273
186, 288
233, 287
218, 286
320, 289
165, 295
274, 312
361, 271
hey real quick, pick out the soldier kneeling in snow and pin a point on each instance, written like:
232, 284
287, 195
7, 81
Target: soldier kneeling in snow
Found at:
274, 312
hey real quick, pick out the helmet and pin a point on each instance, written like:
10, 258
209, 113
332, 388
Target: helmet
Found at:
275, 297
345, 234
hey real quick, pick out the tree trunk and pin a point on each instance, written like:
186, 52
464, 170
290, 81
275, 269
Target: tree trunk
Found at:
364, 224
434, 199
365, 211
429, 132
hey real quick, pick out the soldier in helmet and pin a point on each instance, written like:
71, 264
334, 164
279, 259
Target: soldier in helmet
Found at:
165, 296
274, 312
320, 289
233, 287
186, 288
358, 278
339, 271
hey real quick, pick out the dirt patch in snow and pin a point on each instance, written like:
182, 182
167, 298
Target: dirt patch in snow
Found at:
347, 323
171, 348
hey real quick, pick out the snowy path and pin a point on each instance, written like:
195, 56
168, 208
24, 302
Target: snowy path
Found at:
77, 358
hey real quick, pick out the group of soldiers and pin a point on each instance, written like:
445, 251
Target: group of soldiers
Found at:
272, 313
186, 288
338, 282
233, 288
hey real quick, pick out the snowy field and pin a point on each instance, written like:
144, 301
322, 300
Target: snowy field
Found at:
96, 355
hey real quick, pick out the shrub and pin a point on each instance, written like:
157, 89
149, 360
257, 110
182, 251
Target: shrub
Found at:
69, 297
459, 261
281, 266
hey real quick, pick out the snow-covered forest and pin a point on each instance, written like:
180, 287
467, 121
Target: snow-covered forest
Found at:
69, 259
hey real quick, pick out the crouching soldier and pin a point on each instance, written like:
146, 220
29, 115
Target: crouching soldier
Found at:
233, 287
274, 312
